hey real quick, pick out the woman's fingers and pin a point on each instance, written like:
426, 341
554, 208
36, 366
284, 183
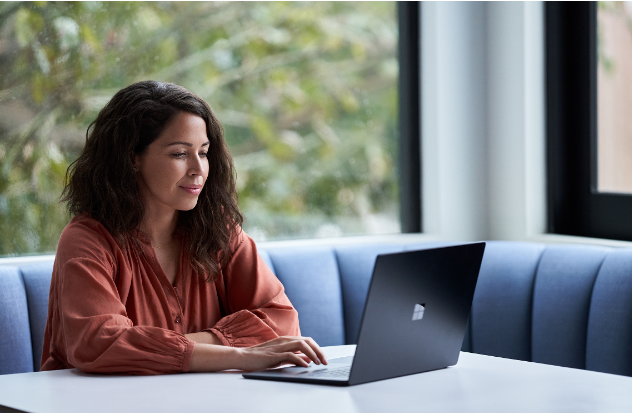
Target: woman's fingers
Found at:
306, 345
309, 347
316, 349
294, 350
298, 360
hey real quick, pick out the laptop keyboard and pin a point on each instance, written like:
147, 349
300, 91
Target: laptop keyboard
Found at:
338, 372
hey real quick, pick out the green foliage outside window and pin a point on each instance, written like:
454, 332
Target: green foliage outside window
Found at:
307, 94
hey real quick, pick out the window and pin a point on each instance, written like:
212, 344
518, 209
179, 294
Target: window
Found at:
307, 93
585, 197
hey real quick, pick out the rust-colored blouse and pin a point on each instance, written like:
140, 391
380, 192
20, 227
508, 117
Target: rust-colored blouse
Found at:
113, 310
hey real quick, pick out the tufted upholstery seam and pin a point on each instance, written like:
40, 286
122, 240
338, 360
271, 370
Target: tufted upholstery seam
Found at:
592, 289
535, 275
26, 291
28, 315
342, 296
467, 339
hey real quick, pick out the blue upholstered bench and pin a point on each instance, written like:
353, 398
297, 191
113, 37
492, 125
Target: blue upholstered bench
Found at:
567, 305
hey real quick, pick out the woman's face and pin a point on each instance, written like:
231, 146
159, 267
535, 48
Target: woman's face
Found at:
173, 169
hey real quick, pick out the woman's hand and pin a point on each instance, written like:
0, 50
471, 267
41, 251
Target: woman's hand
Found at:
281, 350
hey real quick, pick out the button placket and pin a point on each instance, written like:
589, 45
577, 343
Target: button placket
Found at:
170, 290
178, 318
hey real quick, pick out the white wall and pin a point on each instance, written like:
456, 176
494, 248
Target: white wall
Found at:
516, 121
454, 124
466, 80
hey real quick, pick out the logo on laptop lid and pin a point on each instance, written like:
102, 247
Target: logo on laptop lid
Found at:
418, 312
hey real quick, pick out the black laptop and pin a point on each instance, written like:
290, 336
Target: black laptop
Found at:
414, 319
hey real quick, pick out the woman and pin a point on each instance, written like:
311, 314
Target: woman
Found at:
154, 274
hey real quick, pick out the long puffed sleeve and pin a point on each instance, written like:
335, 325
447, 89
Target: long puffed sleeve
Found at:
254, 299
88, 326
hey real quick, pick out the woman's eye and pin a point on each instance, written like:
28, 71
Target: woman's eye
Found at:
179, 155
203, 154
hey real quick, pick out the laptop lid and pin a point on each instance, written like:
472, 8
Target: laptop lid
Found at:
416, 312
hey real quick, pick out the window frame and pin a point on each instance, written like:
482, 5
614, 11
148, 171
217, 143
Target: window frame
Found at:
409, 94
575, 206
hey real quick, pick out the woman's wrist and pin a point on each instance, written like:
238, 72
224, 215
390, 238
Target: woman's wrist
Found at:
204, 337
215, 358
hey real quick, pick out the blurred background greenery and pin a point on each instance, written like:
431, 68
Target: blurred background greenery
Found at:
306, 91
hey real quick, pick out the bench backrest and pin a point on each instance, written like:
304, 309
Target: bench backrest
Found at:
566, 305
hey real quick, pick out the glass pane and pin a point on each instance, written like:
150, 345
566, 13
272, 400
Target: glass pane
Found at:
307, 94
614, 97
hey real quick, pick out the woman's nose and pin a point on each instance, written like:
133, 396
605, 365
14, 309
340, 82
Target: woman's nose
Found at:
198, 166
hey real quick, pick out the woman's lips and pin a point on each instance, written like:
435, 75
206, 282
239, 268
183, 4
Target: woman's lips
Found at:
192, 189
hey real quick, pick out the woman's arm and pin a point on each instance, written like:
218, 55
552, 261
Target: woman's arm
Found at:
261, 330
254, 299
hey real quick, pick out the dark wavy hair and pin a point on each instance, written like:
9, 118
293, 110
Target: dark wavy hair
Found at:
102, 182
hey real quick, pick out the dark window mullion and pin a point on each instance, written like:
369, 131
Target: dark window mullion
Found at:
409, 164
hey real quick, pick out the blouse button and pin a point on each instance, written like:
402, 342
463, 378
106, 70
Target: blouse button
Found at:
178, 319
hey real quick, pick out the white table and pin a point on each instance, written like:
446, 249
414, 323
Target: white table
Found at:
476, 384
